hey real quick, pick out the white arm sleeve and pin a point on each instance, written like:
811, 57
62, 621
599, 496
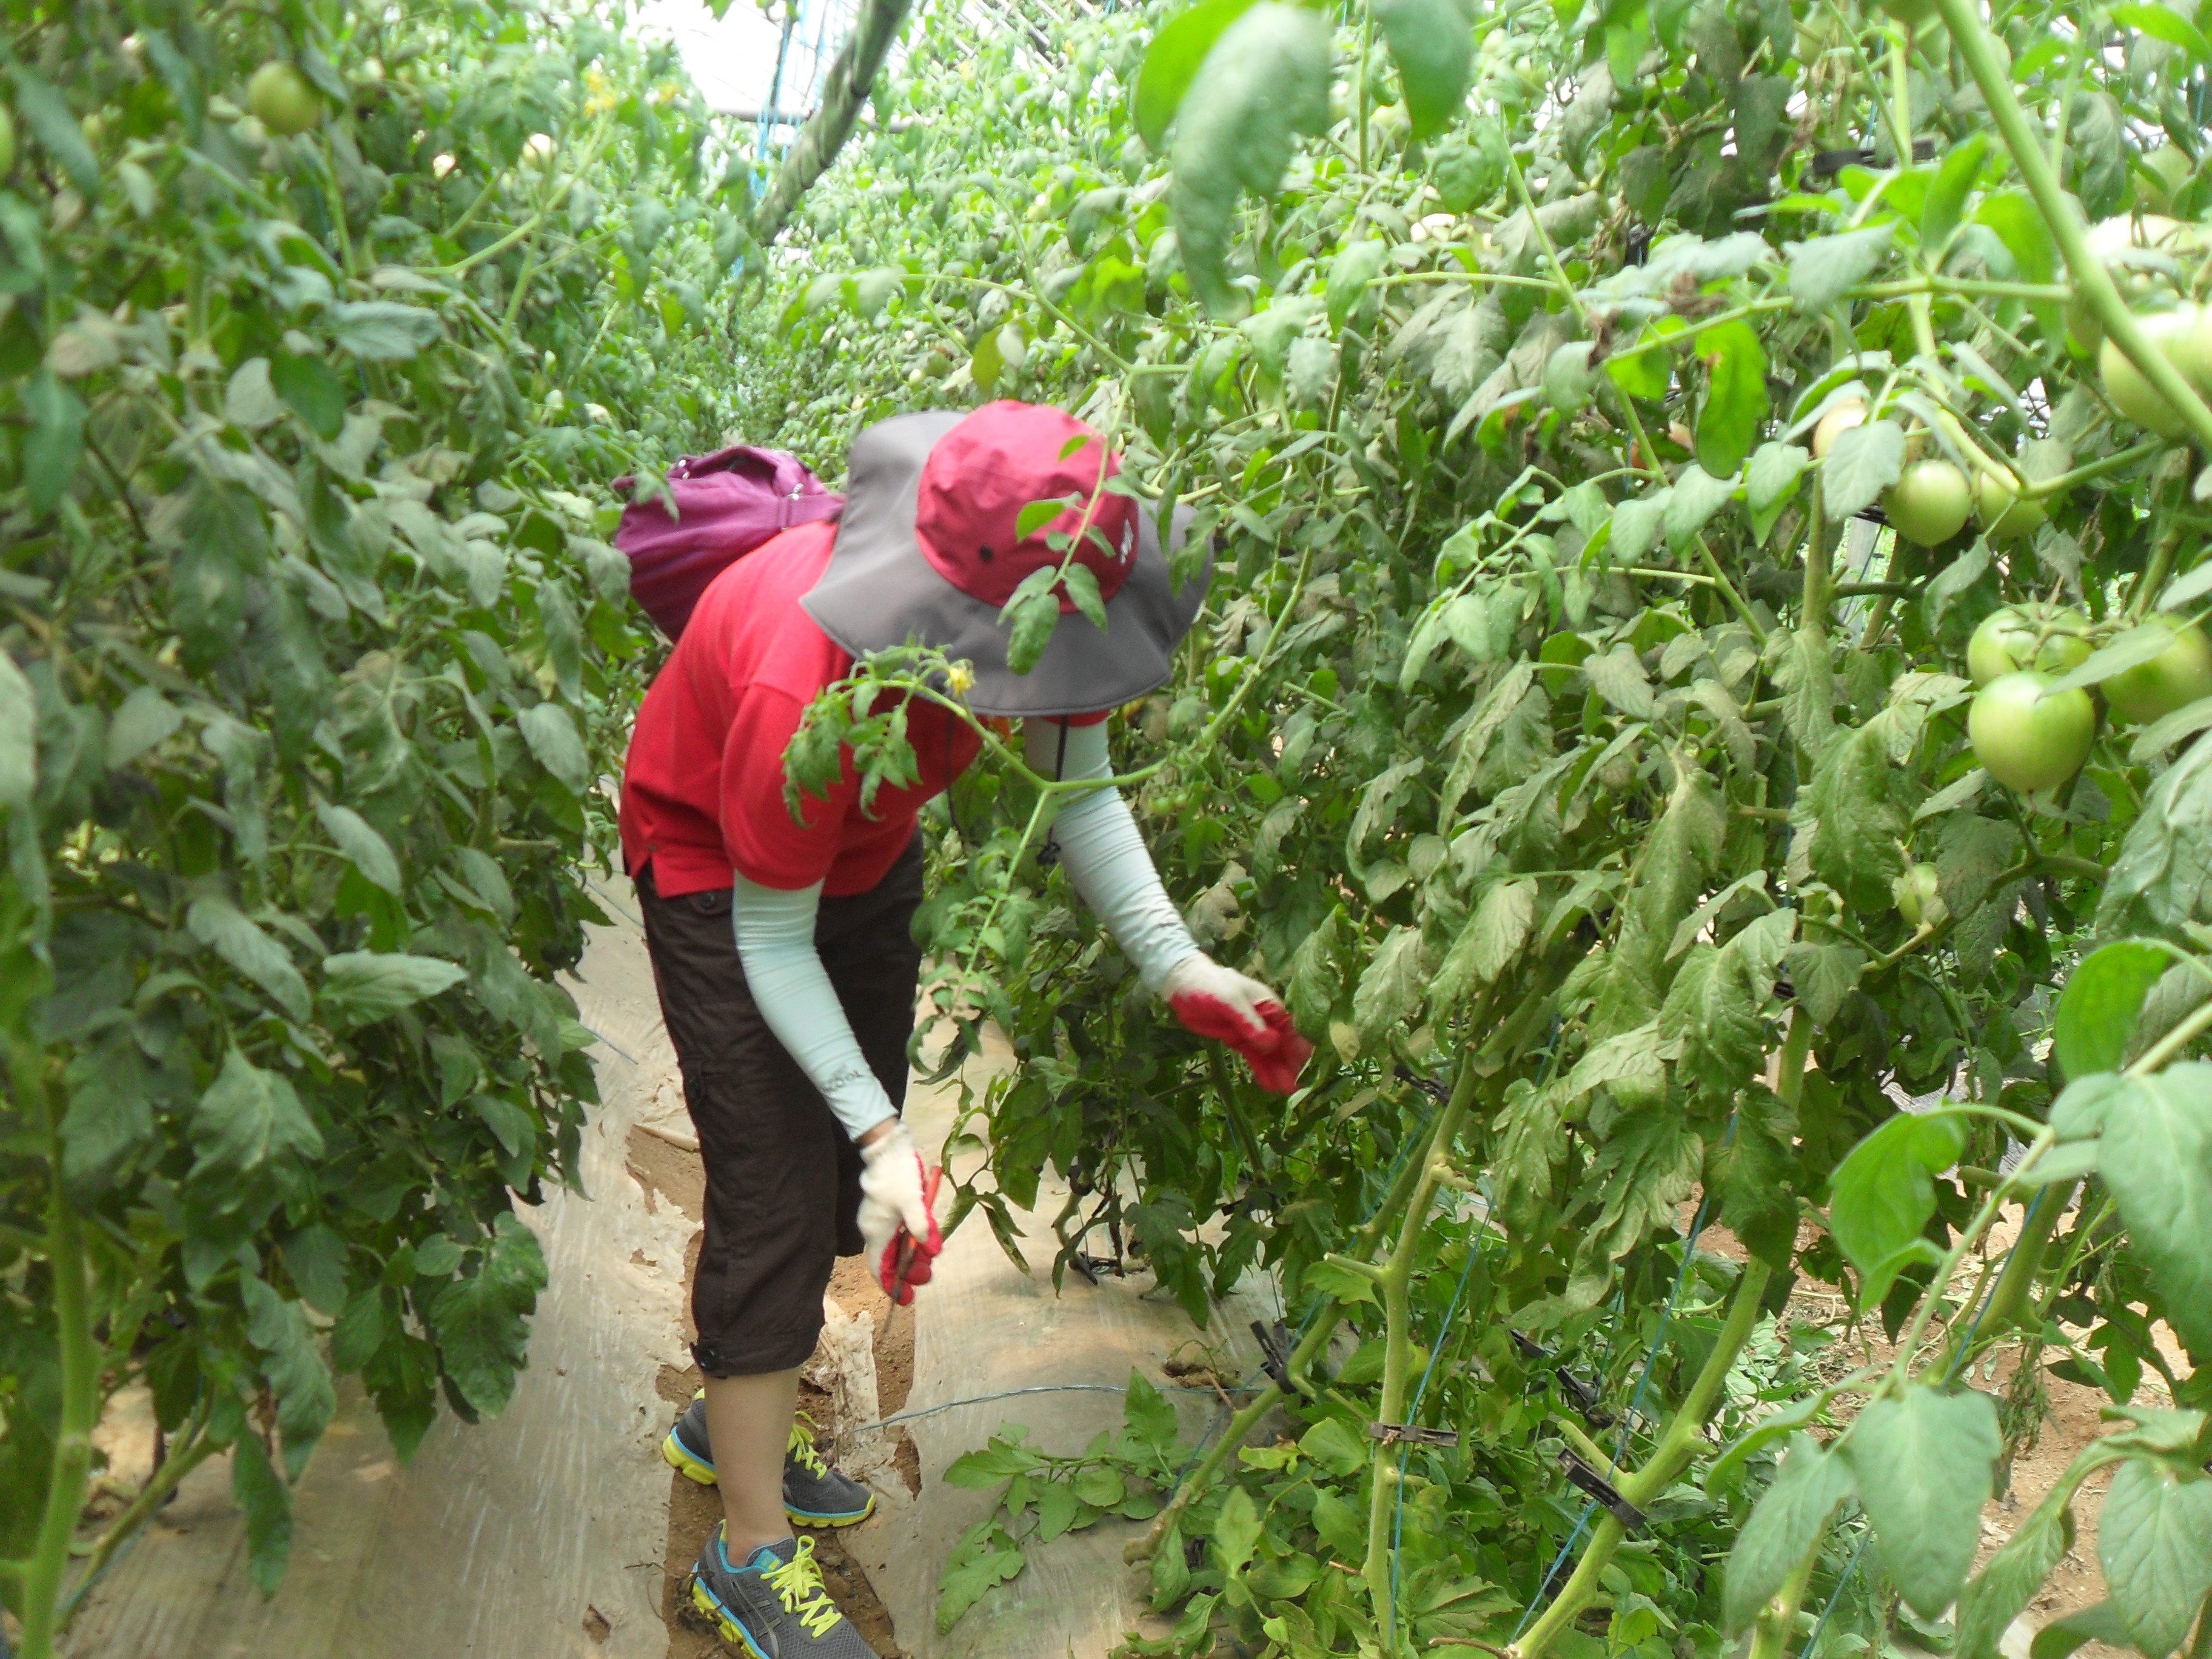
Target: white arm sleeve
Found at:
1105, 857
775, 942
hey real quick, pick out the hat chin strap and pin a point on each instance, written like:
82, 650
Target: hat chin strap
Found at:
1104, 856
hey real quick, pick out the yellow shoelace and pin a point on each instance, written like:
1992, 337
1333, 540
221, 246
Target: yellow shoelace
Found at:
802, 1446
798, 1584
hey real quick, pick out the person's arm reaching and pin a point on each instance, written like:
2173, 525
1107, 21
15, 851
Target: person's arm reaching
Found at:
1112, 869
792, 989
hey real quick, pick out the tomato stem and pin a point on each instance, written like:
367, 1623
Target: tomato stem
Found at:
1394, 1202
1769, 1632
1395, 1281
1667, 1458
71, 1466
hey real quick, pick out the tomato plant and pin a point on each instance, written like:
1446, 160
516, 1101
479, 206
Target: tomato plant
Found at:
1602, 793
322, 328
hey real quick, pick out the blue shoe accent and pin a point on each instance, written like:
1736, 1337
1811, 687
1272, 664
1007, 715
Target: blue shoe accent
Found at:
814, 1493
773, 1606
686, 1446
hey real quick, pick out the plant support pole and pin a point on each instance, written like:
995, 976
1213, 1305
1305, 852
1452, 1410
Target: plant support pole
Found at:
851, 79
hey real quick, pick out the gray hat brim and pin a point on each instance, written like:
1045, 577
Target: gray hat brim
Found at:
879, 590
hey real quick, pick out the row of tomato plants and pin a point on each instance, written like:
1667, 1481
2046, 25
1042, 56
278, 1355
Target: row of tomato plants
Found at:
1635, 824
323, 330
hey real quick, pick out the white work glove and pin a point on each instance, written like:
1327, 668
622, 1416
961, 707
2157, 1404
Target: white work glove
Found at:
897, 1189
1220, 1003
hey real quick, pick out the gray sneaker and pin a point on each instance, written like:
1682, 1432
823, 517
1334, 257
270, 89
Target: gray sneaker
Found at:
773, 1606
814, 1494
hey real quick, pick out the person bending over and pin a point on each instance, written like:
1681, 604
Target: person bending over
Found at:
782, 950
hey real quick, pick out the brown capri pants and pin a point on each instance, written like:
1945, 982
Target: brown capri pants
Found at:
783, 1179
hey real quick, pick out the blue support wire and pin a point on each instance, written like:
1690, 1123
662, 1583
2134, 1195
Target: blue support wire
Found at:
1406, 1452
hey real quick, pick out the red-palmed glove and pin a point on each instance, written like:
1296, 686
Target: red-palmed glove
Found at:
896, 1189
1219, 1002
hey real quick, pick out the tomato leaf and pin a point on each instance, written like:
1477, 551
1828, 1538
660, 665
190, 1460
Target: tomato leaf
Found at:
2014, 1574
2154, 1543
1883, 1194
1432, 43
250, 1122
1265, 82
2156, 1158
1924, 1464
1947, 196
2097, 1010
481, 1320
2162, 24
48, 116
552, 736
1822, 270
223, 928
1784, 1527
361, 986
266, 1502
19, 736
55, 442
1863, 462
1171, 63
1736, 397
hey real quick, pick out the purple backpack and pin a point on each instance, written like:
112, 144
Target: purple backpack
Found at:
727, 505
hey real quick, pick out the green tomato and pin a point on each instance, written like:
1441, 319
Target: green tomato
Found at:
2170, 164
1930, 503
1910, 13
2004, 516
282, 100
1917, 898
2117, 244
2026, 740
2178, 676
2183, 335
1833, 424
2048, 639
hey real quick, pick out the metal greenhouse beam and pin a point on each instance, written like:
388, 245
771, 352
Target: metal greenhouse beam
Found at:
851, 78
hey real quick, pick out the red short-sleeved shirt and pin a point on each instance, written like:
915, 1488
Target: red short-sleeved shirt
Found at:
703, 790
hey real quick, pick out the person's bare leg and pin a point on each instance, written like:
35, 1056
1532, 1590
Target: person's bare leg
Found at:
749, 1425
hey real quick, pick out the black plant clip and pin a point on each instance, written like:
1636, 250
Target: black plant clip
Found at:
1586, 1398
1581, 1474
1092, 1267
1275, 1353
1828, 163
1530, 1348
1428, 1086
1411, 1434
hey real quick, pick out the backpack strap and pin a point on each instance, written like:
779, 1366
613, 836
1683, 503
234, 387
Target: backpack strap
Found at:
807, 509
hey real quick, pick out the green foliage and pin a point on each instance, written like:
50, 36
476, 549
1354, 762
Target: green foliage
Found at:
1784, 1527
2156, 1155
1555, 734
312, 658
1263, 83
1924, 1462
